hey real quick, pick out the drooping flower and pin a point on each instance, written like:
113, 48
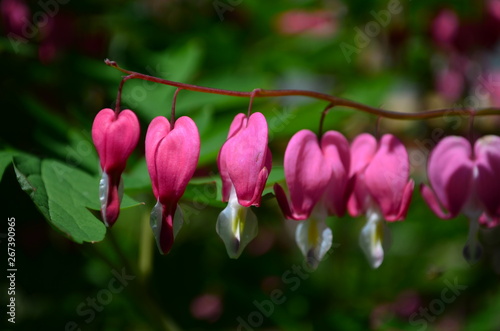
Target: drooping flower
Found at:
244, 163
317, 176
382, 190
172, 154
115, 137
465, 179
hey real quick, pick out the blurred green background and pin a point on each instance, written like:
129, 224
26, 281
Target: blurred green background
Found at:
401, 55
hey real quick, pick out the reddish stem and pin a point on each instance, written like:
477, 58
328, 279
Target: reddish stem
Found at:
250, 104
172, 115
323, 115
316, 95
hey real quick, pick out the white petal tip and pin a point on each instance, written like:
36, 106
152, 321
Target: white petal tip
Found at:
237, 226
314, 239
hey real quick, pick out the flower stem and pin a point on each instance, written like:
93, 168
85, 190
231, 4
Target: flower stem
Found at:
250, 104
119, 95
145, 249
172, 114
323, 115
427, 114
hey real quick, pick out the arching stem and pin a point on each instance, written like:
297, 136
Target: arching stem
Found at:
316, 95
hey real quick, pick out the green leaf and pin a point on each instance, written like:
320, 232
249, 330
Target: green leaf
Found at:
205, 191
69, 192
28, 173
64, 195
5, 160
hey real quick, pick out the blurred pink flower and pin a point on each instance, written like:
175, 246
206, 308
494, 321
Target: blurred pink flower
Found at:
494, 8
465, 178
206, 307
450, 84
15, 16
490, 83
445, 27
56, 33
319, 23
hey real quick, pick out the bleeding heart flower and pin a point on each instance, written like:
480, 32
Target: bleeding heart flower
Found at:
172, 154
115, 137
244, 163
317, 176
445, 27
382, 191
465, 179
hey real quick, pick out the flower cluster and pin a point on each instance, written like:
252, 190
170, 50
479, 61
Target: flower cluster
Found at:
172, 151
325, 176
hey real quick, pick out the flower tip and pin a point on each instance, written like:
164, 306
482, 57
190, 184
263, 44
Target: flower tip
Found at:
374, 239
314, 239
165, 224
472, 252
312, 260
110, 196
237, 226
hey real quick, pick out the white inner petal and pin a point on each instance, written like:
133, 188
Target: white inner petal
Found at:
237, 226
314, 238
473, 250
373, 237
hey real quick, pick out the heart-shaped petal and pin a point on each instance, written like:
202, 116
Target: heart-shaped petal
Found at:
450, 172
487, 155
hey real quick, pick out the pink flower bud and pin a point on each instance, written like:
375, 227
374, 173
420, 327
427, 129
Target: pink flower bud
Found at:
115, 137
171, 155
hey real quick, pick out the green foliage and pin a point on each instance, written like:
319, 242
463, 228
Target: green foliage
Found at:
66, 197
